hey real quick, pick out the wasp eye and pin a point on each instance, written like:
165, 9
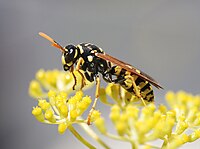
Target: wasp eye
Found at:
70, 53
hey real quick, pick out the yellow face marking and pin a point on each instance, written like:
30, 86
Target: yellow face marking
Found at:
90, 58
117, 70
81, 49
76, 52
63, 59
70, 63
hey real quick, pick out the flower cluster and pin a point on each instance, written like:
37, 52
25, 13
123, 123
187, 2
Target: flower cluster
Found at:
174, 124
52, 90
63, 111
55, 80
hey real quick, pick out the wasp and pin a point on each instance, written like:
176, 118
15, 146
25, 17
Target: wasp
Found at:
93, 61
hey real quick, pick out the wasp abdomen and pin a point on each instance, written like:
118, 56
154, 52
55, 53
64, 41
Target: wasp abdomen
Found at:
126, 78
145, 88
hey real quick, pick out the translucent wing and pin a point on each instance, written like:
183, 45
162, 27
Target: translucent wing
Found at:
129, 68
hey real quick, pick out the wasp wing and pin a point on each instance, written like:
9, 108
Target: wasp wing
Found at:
129, 68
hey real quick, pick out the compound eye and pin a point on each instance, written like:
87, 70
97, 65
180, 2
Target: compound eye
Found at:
69, 57
71, 51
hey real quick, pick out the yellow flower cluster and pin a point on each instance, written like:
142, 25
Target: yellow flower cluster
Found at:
54, 80
175, 125
63, 111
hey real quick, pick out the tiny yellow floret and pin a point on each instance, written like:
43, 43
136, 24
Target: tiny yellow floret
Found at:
100, 124
43, 104
35, 89
121, 128
73, 115
95, 115
62, 128
37, 112
64, 110
49, 115
40, 75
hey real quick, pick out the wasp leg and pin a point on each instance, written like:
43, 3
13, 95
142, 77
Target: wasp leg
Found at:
137, 92
75, 80
95, 101
79, 63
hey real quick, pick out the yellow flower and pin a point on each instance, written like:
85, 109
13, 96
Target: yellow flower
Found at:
62, 127
100, 124
35, 89
37, 112
63, 111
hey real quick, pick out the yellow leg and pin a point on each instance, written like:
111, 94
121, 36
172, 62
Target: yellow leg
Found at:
137, 92
79, 63
95, 101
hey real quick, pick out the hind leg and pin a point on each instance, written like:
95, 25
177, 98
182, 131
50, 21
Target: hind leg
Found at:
95, 101
137, 91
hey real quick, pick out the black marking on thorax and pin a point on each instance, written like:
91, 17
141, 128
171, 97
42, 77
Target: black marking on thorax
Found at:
92, 63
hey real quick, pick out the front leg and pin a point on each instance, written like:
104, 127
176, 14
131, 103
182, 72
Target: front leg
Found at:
78, 66
75, 80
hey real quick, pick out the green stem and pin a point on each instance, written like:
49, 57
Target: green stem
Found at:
133, 145
153, 146
93, 135
80, 138
117, 137
165, 143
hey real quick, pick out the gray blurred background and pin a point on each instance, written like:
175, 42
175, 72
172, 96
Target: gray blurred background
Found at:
161, 38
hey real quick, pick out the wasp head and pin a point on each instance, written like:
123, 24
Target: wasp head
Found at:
69, 56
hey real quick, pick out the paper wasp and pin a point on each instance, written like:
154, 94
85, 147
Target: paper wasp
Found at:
93, 61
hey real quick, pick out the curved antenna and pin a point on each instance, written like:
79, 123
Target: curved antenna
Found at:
54, 43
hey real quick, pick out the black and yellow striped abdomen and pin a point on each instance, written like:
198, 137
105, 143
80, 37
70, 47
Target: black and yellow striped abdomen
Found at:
126, 78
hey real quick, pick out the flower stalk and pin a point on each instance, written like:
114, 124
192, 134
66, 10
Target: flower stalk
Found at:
80, 138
